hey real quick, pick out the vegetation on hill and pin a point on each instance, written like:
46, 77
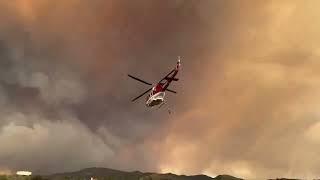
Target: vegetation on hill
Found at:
14, 177
109, 174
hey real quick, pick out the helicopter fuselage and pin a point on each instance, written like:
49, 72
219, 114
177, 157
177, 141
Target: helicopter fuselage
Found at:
155, 99
157, 94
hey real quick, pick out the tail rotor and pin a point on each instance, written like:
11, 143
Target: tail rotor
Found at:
179, 62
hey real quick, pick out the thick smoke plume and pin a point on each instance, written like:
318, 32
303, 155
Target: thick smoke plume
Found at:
248, 95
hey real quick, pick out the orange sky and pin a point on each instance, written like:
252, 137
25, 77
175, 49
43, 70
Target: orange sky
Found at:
248, 95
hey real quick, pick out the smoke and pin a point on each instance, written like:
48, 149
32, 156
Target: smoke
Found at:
46, 144
252, 119
247, 96
56, 113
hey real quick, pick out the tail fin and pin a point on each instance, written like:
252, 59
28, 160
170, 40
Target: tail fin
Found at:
178, 63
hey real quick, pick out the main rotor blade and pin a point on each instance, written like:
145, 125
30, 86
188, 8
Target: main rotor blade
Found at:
167, 75
141, 95
171, 91
139, 79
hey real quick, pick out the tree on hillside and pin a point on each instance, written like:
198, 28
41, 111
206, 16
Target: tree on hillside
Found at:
38, 178
3, 177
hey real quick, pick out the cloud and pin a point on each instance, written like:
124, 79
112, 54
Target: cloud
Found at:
51, 143
248, 92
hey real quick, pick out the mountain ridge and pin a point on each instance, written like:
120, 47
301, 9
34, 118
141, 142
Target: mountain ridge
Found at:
107, 173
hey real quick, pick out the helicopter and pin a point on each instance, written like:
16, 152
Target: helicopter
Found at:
157, 94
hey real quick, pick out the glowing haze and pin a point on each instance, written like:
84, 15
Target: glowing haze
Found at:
248, 102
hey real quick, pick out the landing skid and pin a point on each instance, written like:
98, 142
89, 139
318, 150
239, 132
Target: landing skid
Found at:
164, 103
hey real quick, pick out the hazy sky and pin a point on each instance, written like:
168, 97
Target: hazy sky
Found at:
248, 96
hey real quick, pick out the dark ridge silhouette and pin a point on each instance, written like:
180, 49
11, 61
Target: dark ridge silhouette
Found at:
110, 174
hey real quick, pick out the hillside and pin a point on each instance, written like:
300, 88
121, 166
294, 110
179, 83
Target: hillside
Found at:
109, 174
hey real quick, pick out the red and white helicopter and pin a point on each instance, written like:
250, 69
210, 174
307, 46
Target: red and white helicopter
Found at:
157, 94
